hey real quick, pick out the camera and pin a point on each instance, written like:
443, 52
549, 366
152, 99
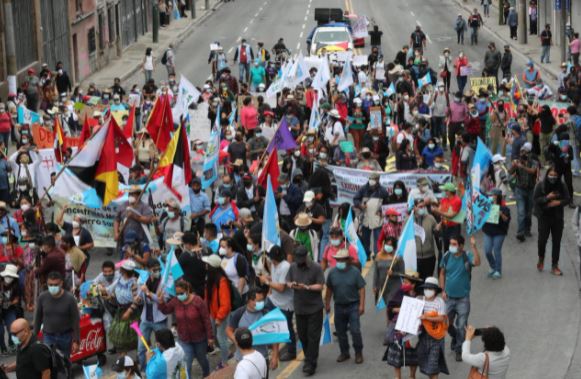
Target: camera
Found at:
478, 331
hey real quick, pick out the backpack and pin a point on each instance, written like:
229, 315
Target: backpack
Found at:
59, 366
235, 297
164, 58
467, 264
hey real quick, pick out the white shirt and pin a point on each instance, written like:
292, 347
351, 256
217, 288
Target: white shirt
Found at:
282, 300
498, 362
252, 366
148, 64
173, 356
332, 131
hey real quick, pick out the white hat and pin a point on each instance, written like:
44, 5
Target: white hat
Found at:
11, 271
309, 196
334, 113
212, 260
527, 147
497, 158
357, 101
342, 254
128, 265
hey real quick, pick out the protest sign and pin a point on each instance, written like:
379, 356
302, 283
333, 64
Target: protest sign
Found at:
408, 319
359, 60
350, 180
44, 169
494, 214
375, 117
465, 71
478, 83
401, 208
359, 27
43, 137
200, 127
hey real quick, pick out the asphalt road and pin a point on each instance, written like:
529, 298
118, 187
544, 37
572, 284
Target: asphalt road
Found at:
539, 313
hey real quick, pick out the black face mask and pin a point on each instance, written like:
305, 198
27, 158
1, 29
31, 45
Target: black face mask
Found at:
196, 190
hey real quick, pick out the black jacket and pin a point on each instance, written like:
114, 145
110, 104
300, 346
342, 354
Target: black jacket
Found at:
506, 61
541, 208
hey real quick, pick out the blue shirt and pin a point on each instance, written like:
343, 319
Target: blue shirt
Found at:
429, 155
457, 274
14, 228
199, 202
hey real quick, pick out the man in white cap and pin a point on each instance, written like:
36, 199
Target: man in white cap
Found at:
347, 288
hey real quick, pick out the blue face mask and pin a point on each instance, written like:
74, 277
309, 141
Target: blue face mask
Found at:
171, 214
341, 265
4, 240
182, 297
259, 305
15, 340
221, 200
54, 290
335, 242
398, 191
453, 249
121, 375
388, 248
250, 247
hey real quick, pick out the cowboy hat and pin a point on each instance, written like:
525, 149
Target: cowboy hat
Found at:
342, 254
212, 260
11, 271
303, 219
498, 158
176, 239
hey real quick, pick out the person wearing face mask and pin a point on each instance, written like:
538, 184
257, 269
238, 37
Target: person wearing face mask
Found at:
126, 368
191, 260
378, 146
431, 346
171, 221
10, 250
346, 287
235, 266
461, 70
257, 144
304, 235
367, 162
53, 260
338, 242
193, 324
385, 284
455, 277
134, 216
445, 64
495, 233
166, 360
307, 280
33, 359
75, 262
560, 155
57, 314
391, 228
422, 191
11, 302
399, 194
369, 200
247, 194
225, 212
430, 152
256, 307
457, 114
199, 206
550, 197
526, 170
237, 149
425, 247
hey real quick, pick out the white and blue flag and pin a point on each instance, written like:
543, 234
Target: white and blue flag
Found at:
171, 272
28, 117
353, 238
390, 90
92, 371
406, 245
270, 228
426, 80
270, 328
210, 166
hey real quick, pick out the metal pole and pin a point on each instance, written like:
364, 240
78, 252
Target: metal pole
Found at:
155, 23
563, 30
193, 8
11, 66
522, 21
500, 12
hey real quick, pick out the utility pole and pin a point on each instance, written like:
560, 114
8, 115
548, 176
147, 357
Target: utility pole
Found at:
522, 21
192, 9
155, 23
501, 12
563, 28
11, 66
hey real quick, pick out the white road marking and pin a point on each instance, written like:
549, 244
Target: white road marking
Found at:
251, 21
304, 25
245, 29
306, 18
428, 38
418, 23
256, 14
301, 35
230, 50
413, 14
298, 46
308, 12
209, 77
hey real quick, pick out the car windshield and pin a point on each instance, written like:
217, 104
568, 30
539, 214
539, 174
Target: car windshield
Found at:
332, 36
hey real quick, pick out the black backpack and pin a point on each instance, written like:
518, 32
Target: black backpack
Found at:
59, 366
164, 58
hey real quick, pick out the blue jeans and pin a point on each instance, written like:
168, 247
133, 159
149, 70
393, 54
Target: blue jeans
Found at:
5, 137
474, 36
243, 72
8, 316
324, 238
198, 350
458, 310
347, 316
62, 342
222, 338
439, 129
462, 81
493, 250
575, 164
546, 54
366, 235
524, 204
147, 328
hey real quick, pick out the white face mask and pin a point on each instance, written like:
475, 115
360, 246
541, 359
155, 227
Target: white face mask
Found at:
430, 293
25, 207
132, 199
461, 55
8, 280
222, 251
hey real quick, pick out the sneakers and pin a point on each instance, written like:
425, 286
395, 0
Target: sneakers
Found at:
520, 237
490, 273
343, 357
556, 271
220, 366
358, 358
287, 356
458, 356
540, 266
496, 275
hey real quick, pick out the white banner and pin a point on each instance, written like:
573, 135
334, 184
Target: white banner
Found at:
350, 180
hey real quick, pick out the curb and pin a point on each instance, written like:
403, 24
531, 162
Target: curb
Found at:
176, 41
554, 74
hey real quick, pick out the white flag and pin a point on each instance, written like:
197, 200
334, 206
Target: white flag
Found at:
187, 94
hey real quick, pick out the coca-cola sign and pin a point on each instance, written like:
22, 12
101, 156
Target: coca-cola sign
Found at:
92, 340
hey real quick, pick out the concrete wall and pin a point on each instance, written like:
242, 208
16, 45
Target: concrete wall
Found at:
82, 22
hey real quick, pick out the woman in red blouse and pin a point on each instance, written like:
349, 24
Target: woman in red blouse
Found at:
193, 324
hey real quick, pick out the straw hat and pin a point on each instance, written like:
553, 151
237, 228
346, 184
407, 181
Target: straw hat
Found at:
303, 219
410, 275
342, 254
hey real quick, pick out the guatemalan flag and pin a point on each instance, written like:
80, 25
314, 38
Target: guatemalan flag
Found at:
92, 371
406, 245
390, 90
270, 328
426, 80
353, 238
270, 233
171, 272
28, 117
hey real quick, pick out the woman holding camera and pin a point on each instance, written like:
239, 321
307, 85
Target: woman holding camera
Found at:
495, 358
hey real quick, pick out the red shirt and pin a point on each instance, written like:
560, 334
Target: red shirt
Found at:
331, 250
192, 320
249, 117
5, 122
6, 255
447, 204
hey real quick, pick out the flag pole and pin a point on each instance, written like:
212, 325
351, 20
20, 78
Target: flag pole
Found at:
386, 278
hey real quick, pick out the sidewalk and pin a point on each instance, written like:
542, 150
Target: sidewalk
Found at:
132, 57
530, 50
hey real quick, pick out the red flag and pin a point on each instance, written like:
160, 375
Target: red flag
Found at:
160, 122
128, 129
271, 168
87, 130
59, 140
123, 149
176, 159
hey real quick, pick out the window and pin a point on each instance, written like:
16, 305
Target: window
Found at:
111, 23
101, 31
91, 40
79, 6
